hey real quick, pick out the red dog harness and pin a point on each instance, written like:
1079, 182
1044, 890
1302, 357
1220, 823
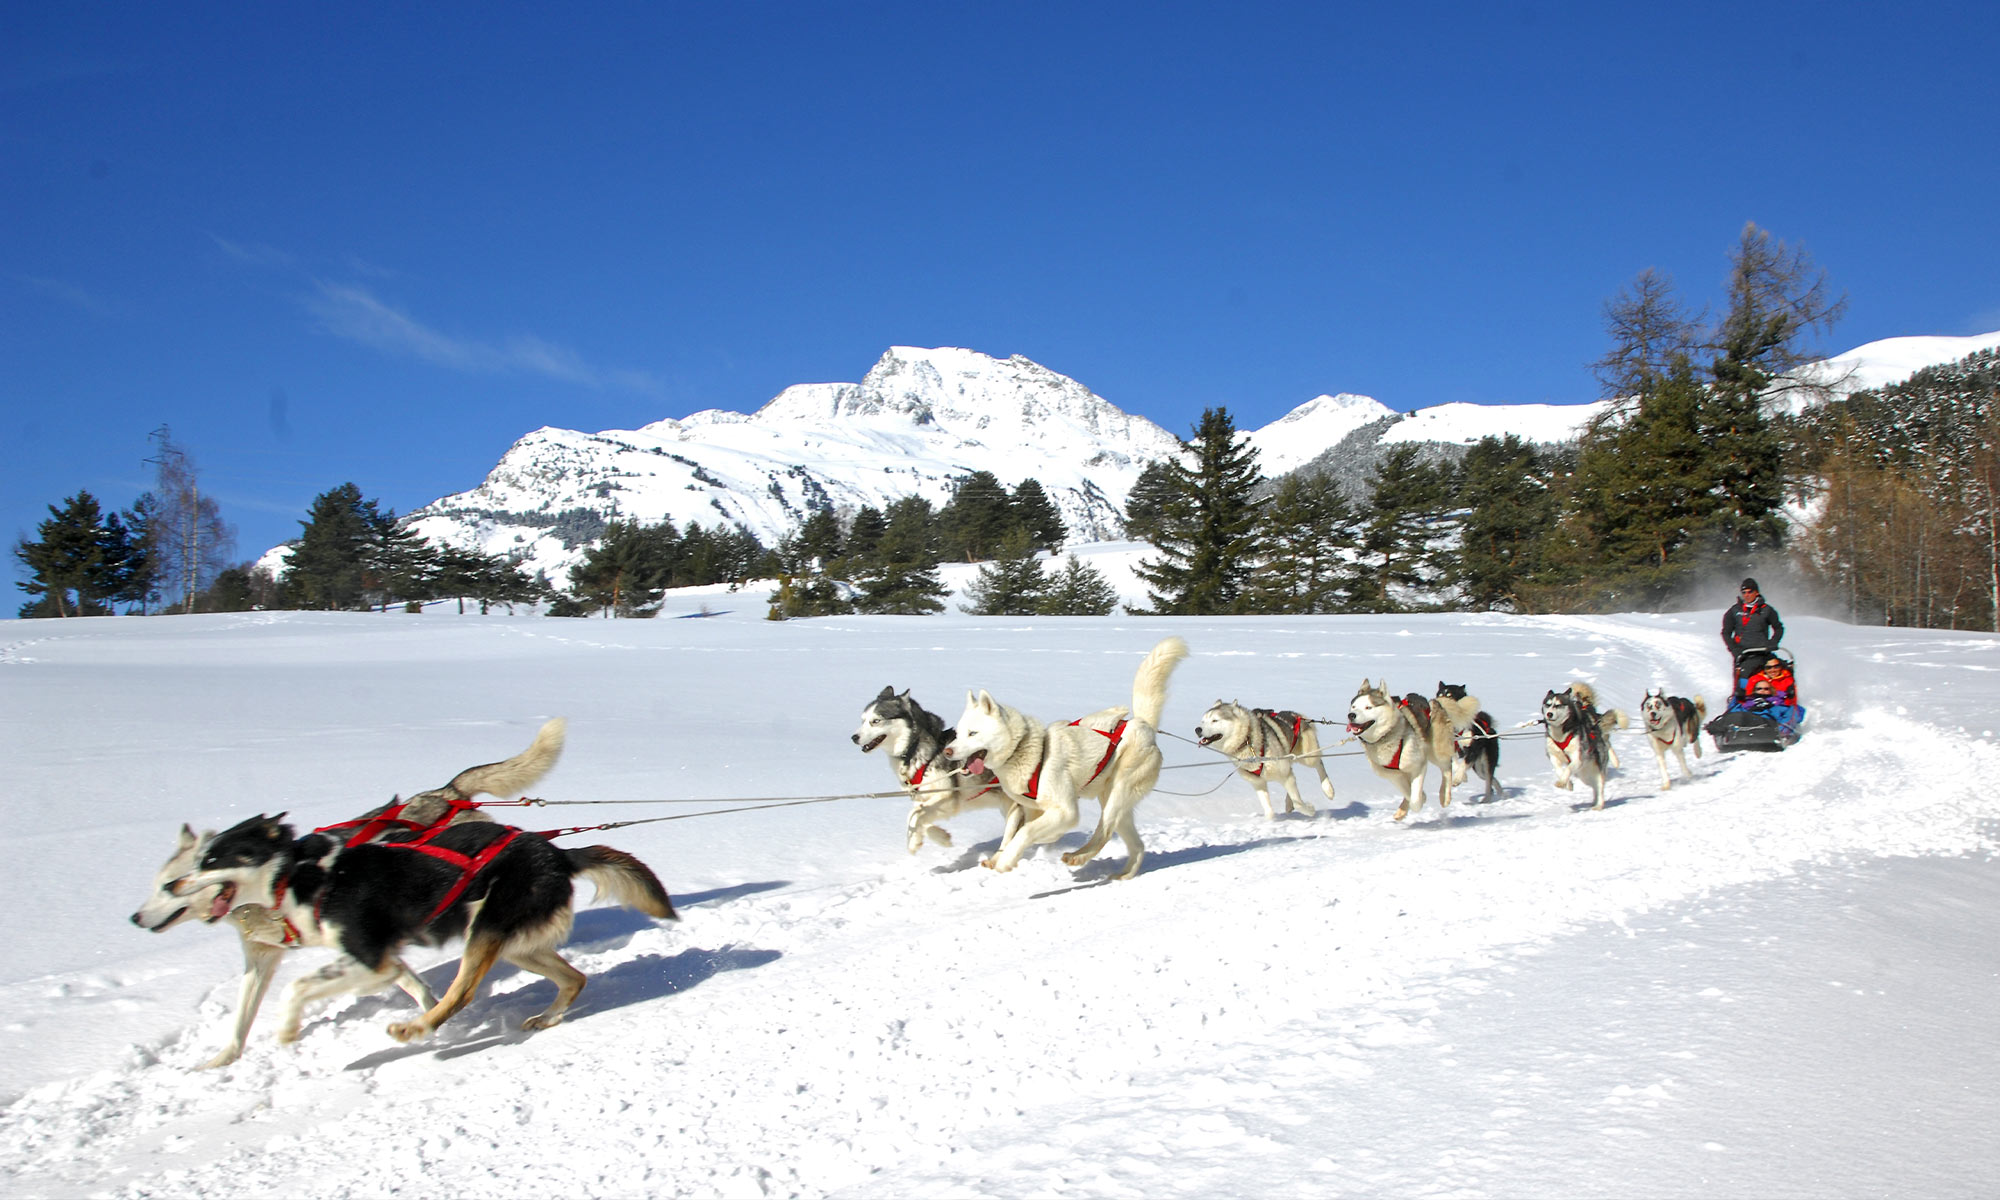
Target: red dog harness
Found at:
469, 865
1033, 791
918, 778
1298, 726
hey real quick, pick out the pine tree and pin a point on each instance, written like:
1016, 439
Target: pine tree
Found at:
1405, 523
1036, 513
978, 518
624, 574
905, 577
1012, 585
1506, 489
79, 562
1309, 540
328, 564
1147, 500
1078, 590
1207, 529
864, 535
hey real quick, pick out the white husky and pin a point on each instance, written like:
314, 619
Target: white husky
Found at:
266, 936
1397, 734
1113, 756
1265, 743
1672, 723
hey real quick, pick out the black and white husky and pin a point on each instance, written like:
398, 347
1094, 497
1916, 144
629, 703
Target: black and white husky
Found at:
1672, 723
267, 932
1112, 755
507, 892
1577, 743
914, 739
1397, 734
1476, 743
1264, 744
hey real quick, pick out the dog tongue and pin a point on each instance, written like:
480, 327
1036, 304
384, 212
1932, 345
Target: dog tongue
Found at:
220, 908
976, 765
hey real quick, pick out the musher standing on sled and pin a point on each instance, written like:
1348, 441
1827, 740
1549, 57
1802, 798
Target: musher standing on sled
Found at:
1750, 630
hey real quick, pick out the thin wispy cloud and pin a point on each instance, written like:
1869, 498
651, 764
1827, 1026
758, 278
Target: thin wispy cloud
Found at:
255, 254
357, 314
66, 292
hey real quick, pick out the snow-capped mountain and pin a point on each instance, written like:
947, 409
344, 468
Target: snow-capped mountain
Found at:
916, 421
922, 417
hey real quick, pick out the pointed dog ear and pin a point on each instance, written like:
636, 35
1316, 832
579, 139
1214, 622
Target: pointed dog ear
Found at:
888, 692
188, 836
986, 702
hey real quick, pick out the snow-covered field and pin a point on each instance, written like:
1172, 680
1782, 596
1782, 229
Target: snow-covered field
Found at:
1780, 979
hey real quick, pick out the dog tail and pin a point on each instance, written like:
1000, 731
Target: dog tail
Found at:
623, 880
1149, 686
1700, 707
516, 774
1615, 717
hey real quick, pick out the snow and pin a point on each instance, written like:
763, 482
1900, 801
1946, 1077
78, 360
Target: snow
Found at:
1774, 980
1892, 360
1465, 424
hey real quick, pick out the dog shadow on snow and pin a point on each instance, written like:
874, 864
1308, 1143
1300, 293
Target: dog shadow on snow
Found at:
969, 857
495, 1021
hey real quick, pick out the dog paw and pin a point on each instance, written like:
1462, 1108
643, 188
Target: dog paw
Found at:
541, 1021
222, 1060
939, 836
1402, 812
407, 1031
287, 1034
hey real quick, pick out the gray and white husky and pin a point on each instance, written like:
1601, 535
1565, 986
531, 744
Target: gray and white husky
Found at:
266, 935
913, 738
1672, 723
1578, 745
1264, 744
1475, 742
1396, 732
1112, 756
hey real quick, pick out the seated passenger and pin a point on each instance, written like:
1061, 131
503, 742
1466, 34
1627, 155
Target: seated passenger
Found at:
1764, 698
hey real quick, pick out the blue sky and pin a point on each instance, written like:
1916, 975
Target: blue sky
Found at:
339, 242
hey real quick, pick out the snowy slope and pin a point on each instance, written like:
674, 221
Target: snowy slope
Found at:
1878, 364
1722, 988
919, 419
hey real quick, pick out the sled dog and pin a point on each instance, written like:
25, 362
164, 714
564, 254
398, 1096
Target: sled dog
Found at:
1588, 695
1396, 732
266, 935
1475, 742
914, 739
1672, 723
1264, 744
507, 892
1577, 745
265, 938
1112, 756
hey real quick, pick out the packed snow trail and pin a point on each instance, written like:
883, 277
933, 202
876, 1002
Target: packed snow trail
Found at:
833, 1014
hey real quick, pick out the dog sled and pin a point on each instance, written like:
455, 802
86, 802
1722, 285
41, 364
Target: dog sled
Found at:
1760, 719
